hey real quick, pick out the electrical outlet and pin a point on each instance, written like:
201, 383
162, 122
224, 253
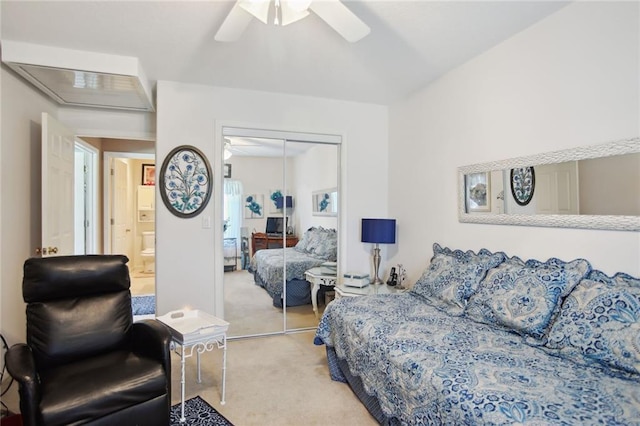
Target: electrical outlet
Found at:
206, 222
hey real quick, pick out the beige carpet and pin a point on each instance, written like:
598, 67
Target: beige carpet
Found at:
277, 380
249, 308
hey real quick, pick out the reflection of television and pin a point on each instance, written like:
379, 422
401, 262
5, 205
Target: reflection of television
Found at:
275, 225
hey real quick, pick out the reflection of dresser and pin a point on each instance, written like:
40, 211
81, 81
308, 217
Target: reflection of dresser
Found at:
260, 240
230, 249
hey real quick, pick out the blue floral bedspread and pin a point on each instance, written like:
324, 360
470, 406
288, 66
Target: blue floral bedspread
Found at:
269, 265
426, 367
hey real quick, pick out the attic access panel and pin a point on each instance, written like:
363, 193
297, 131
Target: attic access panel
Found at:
88, 89
81, 78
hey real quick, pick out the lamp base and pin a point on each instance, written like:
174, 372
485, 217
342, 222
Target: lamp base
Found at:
376, 265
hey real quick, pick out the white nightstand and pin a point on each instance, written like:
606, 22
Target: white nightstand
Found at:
346, 291
317, 277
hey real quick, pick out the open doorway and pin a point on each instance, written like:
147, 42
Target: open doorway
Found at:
129, 212
120, 222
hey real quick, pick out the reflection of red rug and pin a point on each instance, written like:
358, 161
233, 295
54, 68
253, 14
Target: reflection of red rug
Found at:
13, 420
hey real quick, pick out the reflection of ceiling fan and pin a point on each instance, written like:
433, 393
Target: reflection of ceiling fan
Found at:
285, 12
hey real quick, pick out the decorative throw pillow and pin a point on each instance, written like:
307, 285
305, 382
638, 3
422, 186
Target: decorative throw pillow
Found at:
600, 321
525, 297
314, 239
327, 247
304, 241
453, 276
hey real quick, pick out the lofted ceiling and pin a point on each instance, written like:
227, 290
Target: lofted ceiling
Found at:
411, 42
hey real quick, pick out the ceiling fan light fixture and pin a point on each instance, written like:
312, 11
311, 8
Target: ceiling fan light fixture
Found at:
257, 8
285, 12
289, 12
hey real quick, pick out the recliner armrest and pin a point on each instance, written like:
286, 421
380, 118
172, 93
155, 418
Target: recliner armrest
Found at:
152, 339
21, 365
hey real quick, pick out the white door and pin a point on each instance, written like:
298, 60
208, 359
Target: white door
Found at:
557, 188
57, 188
121, 238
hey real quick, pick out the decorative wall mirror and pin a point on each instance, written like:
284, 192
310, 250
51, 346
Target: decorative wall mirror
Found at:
185, 185
594, 187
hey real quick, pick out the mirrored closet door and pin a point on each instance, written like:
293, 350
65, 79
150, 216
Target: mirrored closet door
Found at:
284, 229
312, 176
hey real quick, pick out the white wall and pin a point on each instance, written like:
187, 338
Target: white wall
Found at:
22, 108
259, 175
569, 80
187, 267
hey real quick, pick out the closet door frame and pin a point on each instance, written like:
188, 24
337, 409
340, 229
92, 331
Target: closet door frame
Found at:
225, 130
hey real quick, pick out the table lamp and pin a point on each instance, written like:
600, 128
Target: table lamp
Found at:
378, 231
284, 202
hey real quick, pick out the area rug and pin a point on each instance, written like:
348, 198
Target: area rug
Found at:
143, 305
198, 413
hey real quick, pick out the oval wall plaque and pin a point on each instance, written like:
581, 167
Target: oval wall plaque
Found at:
523, 182
185, 185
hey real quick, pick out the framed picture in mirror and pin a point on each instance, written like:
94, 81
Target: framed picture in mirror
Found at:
325, 202
478, 192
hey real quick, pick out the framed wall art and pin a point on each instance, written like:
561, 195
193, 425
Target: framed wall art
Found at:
148, 174
478, 192
185, 179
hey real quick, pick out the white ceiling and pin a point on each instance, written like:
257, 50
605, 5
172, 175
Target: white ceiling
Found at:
411, 42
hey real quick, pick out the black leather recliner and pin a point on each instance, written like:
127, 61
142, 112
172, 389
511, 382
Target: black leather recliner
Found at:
85, 360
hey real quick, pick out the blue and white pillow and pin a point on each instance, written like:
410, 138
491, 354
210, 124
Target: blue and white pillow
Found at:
525, 297
453, 276
600, 322
327, 246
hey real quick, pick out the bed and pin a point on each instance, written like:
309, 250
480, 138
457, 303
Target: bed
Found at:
420, 358
317, 246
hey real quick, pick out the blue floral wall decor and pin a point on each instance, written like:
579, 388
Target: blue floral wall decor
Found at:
275, 194
324, 202
254, 206
185, 185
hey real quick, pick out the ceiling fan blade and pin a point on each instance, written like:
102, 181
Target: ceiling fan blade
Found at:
234, 24
341, 19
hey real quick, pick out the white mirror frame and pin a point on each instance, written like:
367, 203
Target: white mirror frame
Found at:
616, 223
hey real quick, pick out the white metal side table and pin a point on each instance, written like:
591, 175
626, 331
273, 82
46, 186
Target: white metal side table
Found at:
317, 278
200, 332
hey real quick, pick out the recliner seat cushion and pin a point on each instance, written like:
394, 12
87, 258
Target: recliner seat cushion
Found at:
93, 388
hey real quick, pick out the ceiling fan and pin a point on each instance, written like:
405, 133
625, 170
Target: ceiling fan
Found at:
285, 12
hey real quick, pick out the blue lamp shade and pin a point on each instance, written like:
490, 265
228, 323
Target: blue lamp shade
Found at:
379, 231
280, 201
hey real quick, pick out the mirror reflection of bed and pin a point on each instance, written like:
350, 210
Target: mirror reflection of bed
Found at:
279, 177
